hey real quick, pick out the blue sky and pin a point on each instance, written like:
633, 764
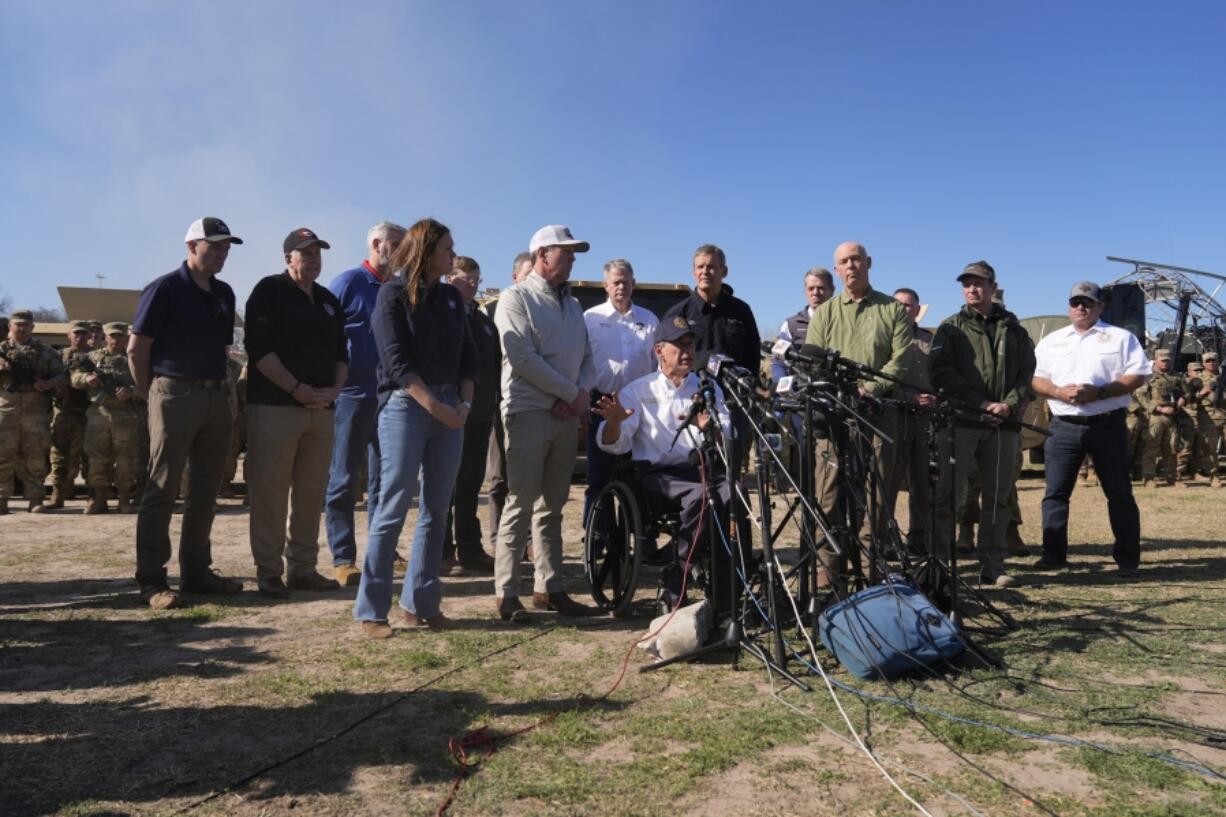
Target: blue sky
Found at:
1041, 136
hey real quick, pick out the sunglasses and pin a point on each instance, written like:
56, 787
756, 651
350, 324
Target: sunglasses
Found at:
1081, 303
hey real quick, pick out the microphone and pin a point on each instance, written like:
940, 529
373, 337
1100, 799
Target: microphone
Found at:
726, 370
808, 355
697, 406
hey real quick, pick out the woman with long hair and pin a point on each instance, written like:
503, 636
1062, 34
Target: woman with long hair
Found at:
427, 361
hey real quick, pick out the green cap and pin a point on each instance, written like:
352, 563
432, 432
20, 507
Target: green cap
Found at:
115, 328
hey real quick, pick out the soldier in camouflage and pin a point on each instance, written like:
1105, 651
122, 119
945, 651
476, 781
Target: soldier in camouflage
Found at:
112, 432
30, 372
1203, 455
1139, 412
1214, 403
1165, 388
68, 419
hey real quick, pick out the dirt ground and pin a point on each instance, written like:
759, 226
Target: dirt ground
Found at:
246, 706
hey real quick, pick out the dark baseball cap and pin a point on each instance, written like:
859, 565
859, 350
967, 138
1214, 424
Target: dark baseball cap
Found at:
672, 330
1086, 289
210, 229
978, 269
301, 238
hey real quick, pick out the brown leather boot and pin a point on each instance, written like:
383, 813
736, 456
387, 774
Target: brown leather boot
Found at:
57, 498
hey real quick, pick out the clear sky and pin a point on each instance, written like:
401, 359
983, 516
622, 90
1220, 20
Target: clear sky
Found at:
1041, 136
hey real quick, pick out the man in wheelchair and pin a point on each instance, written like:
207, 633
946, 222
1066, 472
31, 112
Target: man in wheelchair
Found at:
663, 419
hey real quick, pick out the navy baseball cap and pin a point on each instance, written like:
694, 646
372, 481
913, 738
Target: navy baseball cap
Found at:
672, 330
303, 237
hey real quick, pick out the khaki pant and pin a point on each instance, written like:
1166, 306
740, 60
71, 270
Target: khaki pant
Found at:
993, 454
186, 422
862, 504
289, 449
25, 441
540, 458
112, 441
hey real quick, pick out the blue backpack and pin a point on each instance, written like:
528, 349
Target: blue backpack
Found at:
887, 631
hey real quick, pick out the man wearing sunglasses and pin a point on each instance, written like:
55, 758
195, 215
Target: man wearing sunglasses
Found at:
1087, 371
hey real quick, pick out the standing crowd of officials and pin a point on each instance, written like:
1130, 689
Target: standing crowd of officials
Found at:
394, 369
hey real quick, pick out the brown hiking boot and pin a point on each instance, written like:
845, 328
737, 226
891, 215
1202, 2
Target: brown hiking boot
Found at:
57, 498
511, 609
347, 575
160, 597
413, 621
562, 604
376, 629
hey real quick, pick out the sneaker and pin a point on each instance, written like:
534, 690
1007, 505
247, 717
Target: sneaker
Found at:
211, 582
1049, 564
511, 609
347, 575
273, 587
160, 597
562, 604
399, 566
377, 629
997, 579
478, 563
314, 582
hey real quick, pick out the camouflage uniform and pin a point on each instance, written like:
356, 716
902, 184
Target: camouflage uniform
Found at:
112, 433
25, 417
1185, 429
1214, 426
67, 432
1160, 453
237, 375
1139, 412
1204, 449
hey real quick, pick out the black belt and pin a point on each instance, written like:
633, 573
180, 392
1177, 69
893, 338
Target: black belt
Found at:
198, 381
1092, 419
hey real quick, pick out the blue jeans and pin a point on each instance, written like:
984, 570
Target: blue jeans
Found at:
1105, 440
412, 441
354, 433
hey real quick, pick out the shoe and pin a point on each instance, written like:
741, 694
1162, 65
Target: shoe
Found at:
1128, 572
272, 587
37, 506
376, 629
160, 597
404, 618
478, 563
1046, 564
450, 567
562, 604
997, 579
57, 499
511, 609
314, 582
211, 582
347, 575
399, 566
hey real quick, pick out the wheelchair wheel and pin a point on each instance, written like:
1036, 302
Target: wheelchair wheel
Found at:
613, 548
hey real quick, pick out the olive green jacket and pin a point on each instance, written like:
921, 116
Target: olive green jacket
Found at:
968, 367
874, 331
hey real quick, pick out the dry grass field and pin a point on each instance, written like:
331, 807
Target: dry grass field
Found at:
1112, 700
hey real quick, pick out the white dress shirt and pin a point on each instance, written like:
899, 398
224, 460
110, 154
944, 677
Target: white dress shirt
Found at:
620, 345
1098, 356
658, 410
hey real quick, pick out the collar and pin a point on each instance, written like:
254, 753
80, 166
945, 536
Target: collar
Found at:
725, 292
290, 282
371, 271
846, 298
664, 381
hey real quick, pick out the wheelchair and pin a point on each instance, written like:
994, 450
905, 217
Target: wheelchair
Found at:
621, 535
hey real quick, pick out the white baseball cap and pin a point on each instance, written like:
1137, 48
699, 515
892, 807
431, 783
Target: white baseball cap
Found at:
210, 229
556, 235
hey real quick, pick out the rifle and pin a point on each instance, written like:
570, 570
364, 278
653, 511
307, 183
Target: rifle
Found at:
21, 374
107, 382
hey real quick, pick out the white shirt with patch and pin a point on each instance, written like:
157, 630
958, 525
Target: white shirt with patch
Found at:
621, 345
1098, 356
659, 408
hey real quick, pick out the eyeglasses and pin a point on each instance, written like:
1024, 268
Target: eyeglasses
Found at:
1081, 303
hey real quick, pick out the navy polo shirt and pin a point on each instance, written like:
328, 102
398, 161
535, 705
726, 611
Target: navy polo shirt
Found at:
190, 327
726, 327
